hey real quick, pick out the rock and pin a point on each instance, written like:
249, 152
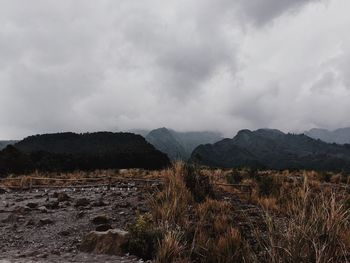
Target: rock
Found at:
30, 222
21, 210
3, 190
103, 227
143, 209
52, 205
32, 205
42, 209
99, 203
45, 221
123, 204
62, 197
110, 242
81, 214
100, 220
82, 202
12, 218
64, 233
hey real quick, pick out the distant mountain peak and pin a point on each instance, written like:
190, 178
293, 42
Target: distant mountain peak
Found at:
179, 145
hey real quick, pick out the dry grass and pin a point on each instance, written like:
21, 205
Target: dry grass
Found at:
203, 232
312, 231
306, 214
217, 239
172, 248
77, 177
171, 205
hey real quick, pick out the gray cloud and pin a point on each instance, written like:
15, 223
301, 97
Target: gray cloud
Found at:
261, 12
190, 65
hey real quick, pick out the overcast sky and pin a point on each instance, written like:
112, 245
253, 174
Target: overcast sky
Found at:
79, 65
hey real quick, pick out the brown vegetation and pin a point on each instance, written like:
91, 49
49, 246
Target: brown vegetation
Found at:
197, 215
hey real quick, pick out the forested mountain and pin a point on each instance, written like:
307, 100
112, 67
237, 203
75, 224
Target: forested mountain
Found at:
266, 148
70, 151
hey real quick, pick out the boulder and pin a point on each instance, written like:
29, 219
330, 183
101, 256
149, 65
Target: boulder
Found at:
103, 227
112, 242
100, 220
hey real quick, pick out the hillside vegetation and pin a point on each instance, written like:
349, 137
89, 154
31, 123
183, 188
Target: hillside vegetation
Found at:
273, 149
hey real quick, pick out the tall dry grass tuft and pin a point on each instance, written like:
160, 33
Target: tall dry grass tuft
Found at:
171, 205
312, 231
216, 239
172, 248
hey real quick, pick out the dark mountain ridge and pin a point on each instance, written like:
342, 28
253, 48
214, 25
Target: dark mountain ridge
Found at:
273, 149
88, 151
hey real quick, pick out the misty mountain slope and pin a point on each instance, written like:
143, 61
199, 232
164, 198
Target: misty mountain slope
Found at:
165, 142
340, 136
273, 149
88, 151
190, 140
179, 145
3, 144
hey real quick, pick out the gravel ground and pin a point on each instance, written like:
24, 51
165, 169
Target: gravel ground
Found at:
48, 225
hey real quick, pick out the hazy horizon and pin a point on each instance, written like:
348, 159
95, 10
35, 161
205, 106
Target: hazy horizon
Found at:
194, 65
229, 135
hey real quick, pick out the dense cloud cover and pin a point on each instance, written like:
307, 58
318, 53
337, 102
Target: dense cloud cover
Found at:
79, 65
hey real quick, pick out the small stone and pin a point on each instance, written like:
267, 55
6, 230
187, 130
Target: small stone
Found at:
52, 205
62, 197
82, 202
42, 209
32, 205
64, 233
81, 214
30, 222
99, 203
45, 221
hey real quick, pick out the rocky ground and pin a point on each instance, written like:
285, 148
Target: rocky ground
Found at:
46, 225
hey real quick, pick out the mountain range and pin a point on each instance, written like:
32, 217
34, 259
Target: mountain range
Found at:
87, 151
273, 149
340, 136
179, 145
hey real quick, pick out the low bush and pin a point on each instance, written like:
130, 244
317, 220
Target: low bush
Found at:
144, 237
234, 178
197, 183
268, 186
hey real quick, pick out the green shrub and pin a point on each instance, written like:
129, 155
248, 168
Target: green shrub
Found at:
144, 237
